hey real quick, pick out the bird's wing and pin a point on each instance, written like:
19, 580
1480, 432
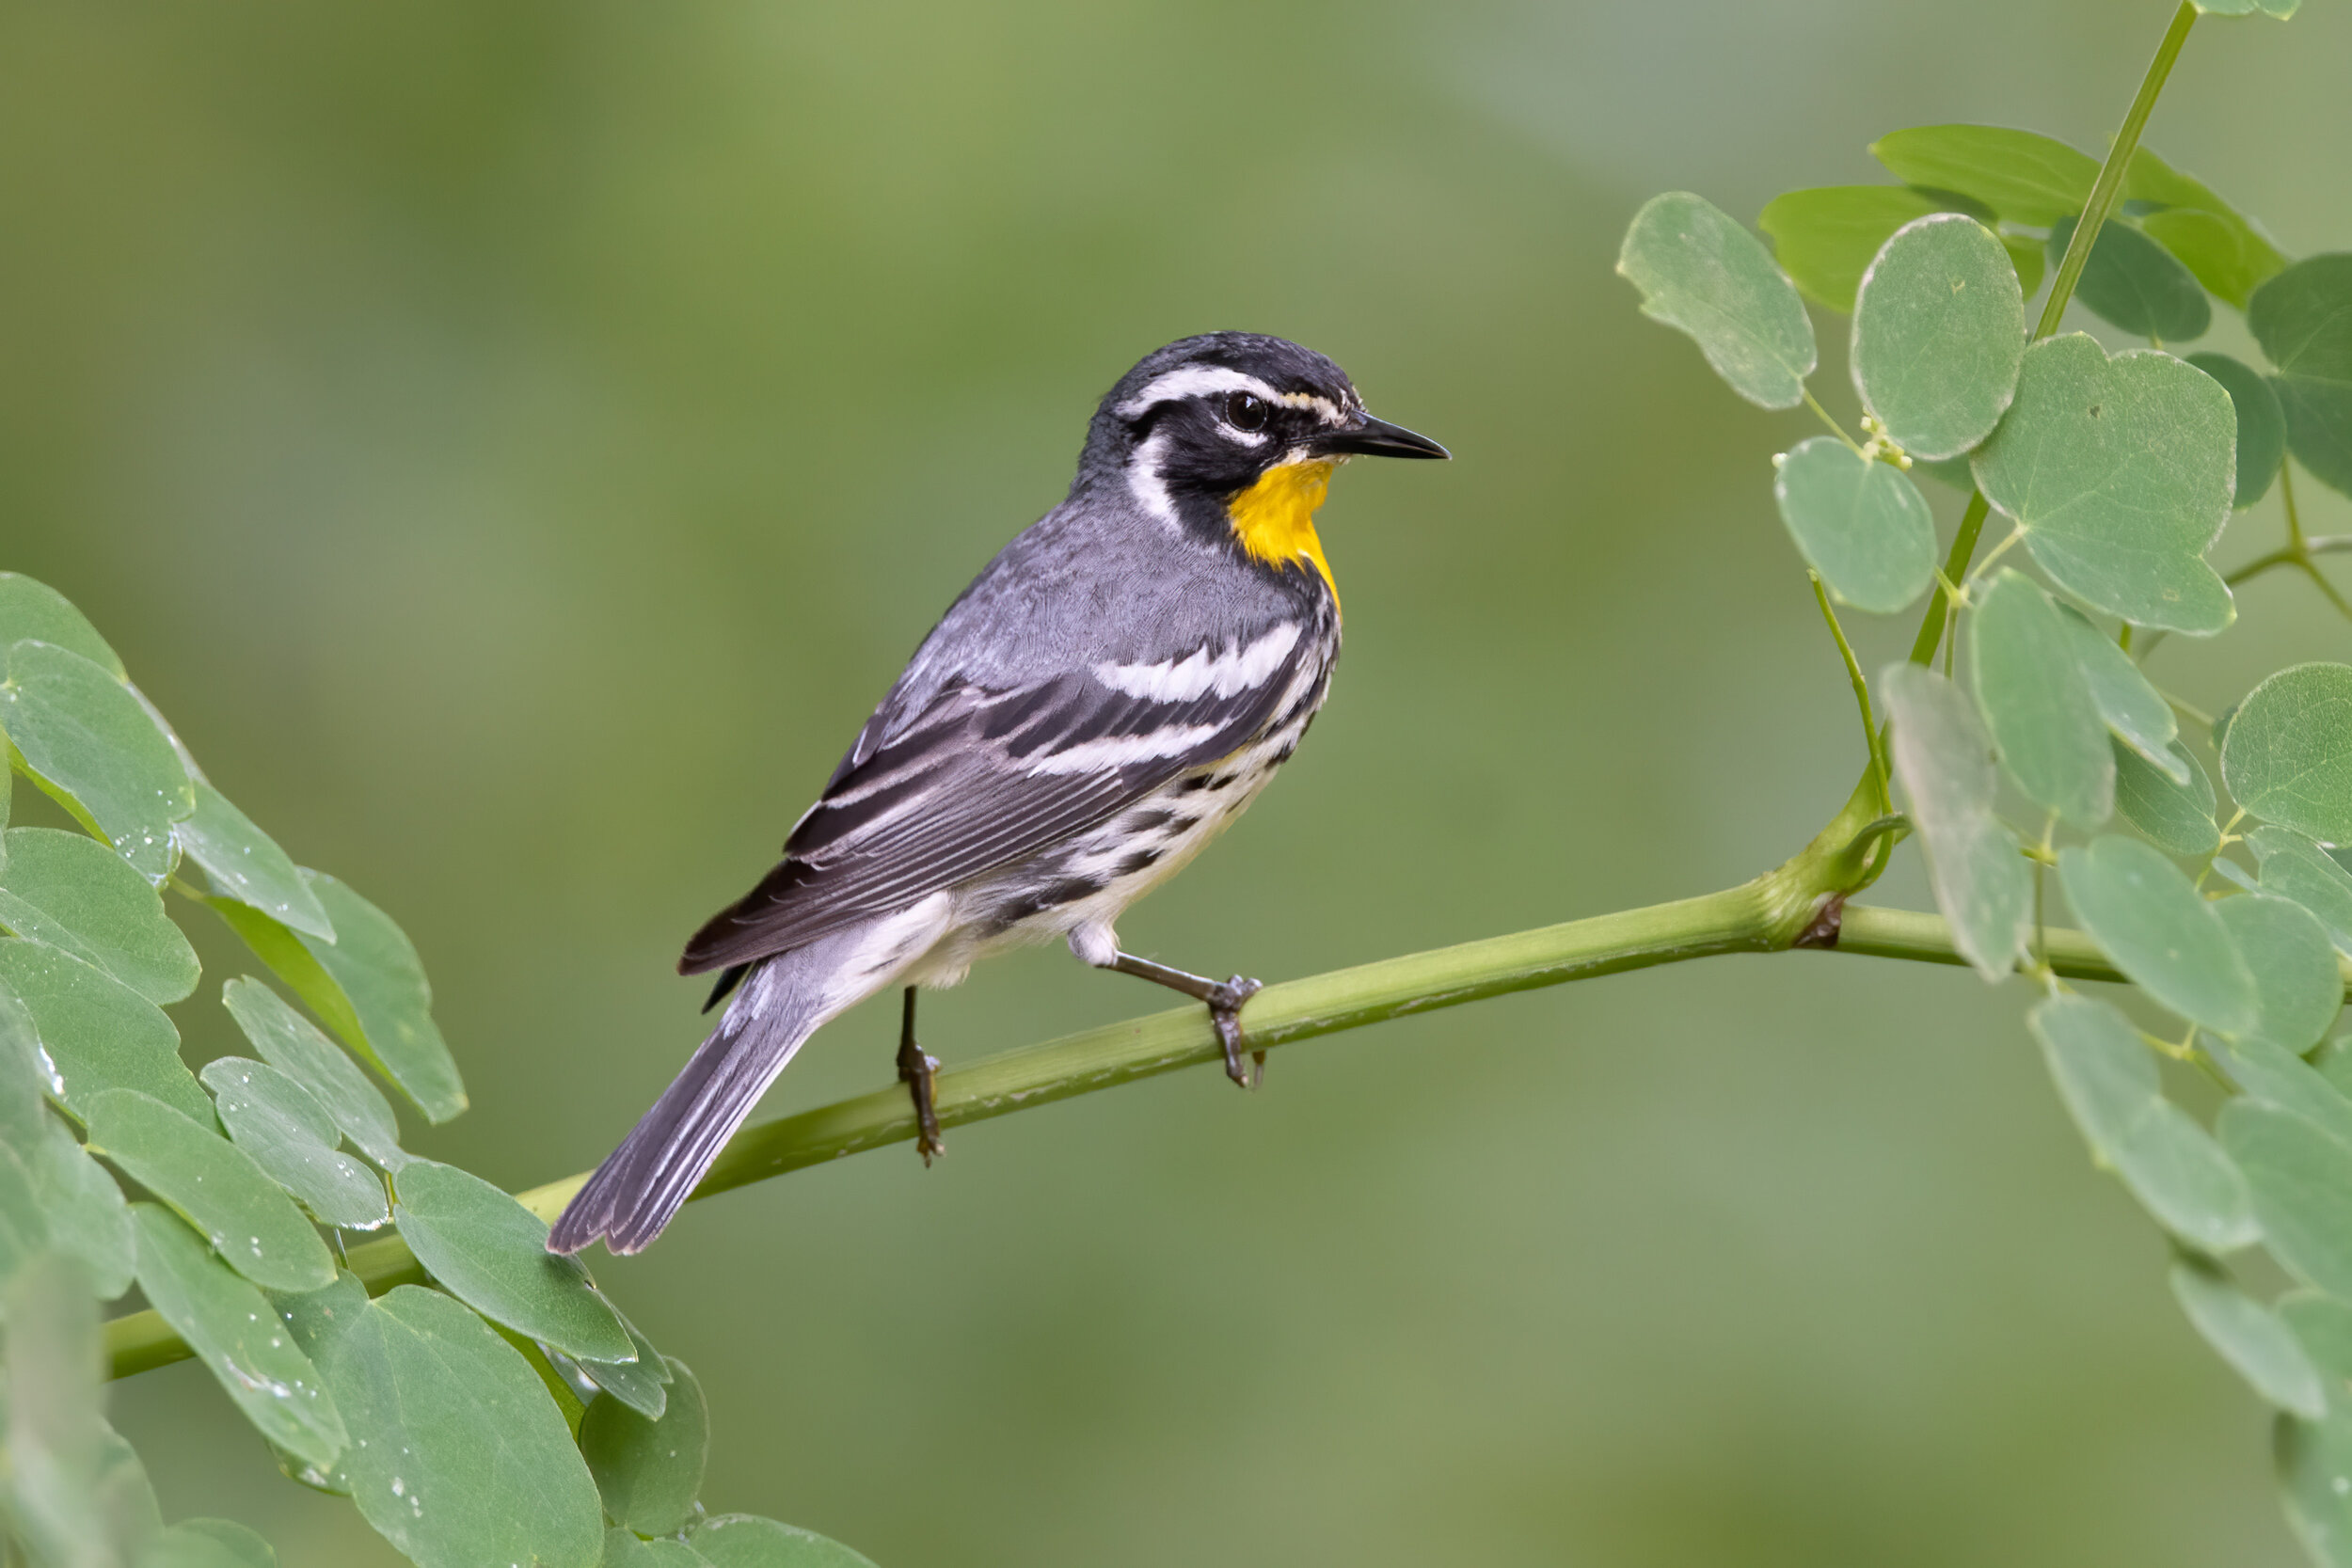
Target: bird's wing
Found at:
983, 776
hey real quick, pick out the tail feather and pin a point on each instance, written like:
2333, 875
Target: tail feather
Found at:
643, 1184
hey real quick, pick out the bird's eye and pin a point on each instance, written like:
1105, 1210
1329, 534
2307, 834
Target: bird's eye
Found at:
1244, 411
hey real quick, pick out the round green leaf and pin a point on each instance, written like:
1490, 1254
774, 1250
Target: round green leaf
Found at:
2303, 320
2262, 427
97, 1033
290, 1135
2133, 710
2168, 1163
24, 1227
2287, 757
86, 1214
2299, 987
215, 1186
2314, 1465
1861, 524
2132, 282
1944, 759
54, 1484
1702, 274
2251, 1339
2178, 817
73, 893
459, 1456
25, 1077
2273, 1075
2175, 816
2301, 1178
2120, 472
1939, 328
289, 1042
2295, 867
649, 1472
2037, 704
747, 1540
1824, 238
246, 865
2022, 176
35, 613
643, 1385
491, 1253
2148, 918
87, 740
237, 1336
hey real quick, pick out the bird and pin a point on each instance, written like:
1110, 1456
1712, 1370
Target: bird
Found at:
1109, 693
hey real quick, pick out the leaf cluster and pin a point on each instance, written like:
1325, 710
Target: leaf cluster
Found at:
2206, 861
503, 1411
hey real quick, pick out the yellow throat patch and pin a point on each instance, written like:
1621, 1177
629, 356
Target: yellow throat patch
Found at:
1275, 518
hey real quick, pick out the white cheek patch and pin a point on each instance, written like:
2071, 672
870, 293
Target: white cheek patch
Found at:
1144, 481
1229, 674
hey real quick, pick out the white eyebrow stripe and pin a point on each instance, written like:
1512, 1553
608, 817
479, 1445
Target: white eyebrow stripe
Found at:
1233, 671
1192, 381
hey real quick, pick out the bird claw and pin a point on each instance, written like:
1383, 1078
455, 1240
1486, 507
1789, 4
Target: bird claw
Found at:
917, 1070
1225, 1003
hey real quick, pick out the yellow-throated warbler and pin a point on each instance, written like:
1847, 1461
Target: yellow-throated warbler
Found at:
1105, 697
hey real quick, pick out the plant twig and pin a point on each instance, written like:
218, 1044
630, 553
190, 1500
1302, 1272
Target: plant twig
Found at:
1861, 696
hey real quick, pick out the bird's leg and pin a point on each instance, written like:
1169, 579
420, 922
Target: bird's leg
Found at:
917, 1071
1224, 998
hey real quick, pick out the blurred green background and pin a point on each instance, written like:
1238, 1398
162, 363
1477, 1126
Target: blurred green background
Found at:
518, 443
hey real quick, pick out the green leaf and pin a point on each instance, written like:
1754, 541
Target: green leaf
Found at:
2262, 427
367, 984
2221, 250
2298, 988
53, 1486
2036, 703
246, 864
459, 1456
87, 740
208, 1544
2274, 1075
1859, 523
2024, 257
86, 1214
99, 1033
2301, 1178
2258, 1346
2323, 1325
24, 1075
1943, 758
289, 1042
2288, 756
2132, 708
649, 1472
1824, 238
747, 1540
1702, 274
2168, 1163
1939, 327
2023, 177
2134, 283
34, 612
2147, 917
2314, 1465
237, 1336
2175, 813
291, 1136
2295, 867
215, 1186
24, 1226
2303, 320
2175, 816
643, 1385
73, 893
491, 1253
2120, 471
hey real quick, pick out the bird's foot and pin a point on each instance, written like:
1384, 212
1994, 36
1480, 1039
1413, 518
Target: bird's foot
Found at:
919, 1071
1225, 1000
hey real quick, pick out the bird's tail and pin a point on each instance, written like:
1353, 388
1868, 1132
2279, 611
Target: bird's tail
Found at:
641, 1185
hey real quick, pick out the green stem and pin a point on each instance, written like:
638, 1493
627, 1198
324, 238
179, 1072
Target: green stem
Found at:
1835, 429
2104, 192
1861, 696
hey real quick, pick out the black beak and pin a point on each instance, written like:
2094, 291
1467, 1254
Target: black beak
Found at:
1378, 438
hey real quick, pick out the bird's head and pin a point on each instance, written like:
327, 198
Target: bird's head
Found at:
1233, 435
